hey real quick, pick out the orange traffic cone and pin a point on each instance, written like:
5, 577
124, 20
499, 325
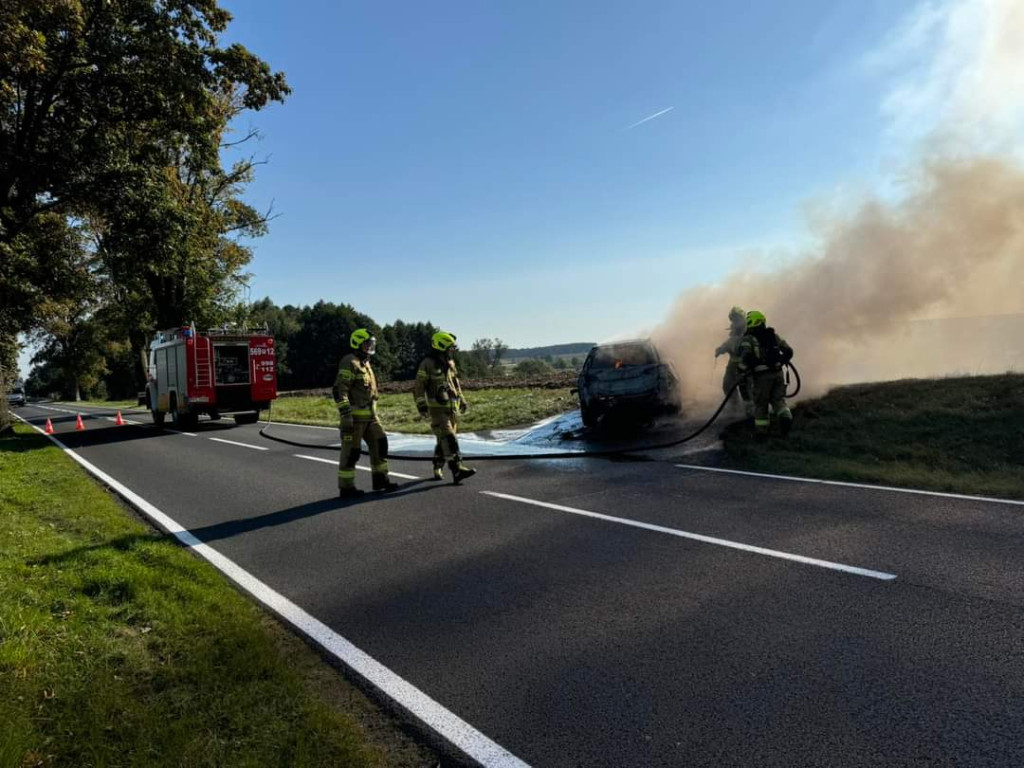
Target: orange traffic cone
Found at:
119, 421
49, 427
79, 426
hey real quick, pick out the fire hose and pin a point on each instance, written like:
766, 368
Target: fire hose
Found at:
618, 452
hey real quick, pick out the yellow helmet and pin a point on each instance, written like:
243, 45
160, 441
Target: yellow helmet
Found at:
735, 312
442, 341
359, 337
755, 319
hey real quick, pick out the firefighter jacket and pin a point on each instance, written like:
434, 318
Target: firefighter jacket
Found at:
355, 390
437, 384
762, 349
731, 347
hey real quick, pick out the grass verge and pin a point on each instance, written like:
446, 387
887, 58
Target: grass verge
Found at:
488, 409
959, 435
117, 647
103, 403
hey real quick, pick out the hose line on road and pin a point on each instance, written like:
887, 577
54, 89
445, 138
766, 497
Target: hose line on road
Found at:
610, 453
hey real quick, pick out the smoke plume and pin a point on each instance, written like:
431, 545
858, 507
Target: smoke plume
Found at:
929, 285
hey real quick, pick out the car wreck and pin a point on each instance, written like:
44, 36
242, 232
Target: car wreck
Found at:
628, 379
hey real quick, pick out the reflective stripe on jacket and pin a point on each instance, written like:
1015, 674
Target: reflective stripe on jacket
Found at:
356, 388
437, 384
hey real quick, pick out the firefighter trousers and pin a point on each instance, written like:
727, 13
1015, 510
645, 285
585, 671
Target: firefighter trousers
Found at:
353, 433
733, 375
770, 393
445, 426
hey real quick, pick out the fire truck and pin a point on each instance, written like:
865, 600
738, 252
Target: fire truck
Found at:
213, 372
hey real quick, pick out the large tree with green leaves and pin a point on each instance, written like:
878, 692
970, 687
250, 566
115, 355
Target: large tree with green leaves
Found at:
88, 86
115, 112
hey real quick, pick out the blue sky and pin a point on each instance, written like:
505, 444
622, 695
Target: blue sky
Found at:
469, 162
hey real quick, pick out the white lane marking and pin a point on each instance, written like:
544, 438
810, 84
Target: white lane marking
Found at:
243, 445
334, 463
965, 497
179, 432
881, 575
445, 723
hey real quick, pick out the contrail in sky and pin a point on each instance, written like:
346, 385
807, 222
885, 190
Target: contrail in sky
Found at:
650, 117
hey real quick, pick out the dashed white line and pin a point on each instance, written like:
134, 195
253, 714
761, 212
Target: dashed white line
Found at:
189, 434
965, 497
334, 462
408, 697
233, 442
881, 575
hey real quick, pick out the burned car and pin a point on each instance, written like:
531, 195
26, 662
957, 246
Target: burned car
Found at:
627, 378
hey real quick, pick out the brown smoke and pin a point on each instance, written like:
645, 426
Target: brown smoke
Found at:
928, 286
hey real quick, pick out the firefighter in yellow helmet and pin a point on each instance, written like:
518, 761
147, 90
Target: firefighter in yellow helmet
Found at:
439, 397
763, 353
731, 347
355, 393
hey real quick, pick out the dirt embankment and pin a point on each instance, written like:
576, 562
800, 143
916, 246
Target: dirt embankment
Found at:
562, 380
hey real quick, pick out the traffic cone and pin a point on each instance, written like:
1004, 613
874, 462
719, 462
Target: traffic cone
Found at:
79, 426
49, 427
119, 421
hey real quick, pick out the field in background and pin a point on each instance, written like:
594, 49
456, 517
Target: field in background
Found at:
488, 409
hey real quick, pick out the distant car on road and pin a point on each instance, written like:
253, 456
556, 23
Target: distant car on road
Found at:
629, 378
16, 396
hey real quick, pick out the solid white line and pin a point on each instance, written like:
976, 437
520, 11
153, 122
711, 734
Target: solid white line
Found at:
334, 463
445, 723
179, 432
965, 497
700, 537
242, 445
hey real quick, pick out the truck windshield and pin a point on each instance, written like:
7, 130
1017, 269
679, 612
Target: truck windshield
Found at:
622, 356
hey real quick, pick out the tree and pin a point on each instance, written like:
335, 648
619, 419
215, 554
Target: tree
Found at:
115, 113
407, 344
85, 83
322, 340
532, 368
64, 322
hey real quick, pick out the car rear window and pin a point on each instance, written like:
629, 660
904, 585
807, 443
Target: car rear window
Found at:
622, 356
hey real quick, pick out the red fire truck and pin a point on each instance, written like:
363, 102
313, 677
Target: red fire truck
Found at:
212, 372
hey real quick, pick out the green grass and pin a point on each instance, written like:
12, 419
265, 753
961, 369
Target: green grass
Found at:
488, 409
961, 435
118, 647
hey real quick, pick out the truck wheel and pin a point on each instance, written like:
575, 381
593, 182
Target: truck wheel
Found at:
247, 418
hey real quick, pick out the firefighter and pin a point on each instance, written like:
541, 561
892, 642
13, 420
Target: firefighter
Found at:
763, 353
355, 393
731, 347
439, 398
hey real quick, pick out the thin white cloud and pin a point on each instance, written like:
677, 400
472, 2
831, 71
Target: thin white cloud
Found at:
956, 69
649, 117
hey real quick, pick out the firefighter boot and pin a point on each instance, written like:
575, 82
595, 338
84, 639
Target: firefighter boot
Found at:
438, 473
383, 484
785, 424
460, 472
349, 493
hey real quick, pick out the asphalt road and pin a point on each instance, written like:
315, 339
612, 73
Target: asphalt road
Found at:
584, 640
